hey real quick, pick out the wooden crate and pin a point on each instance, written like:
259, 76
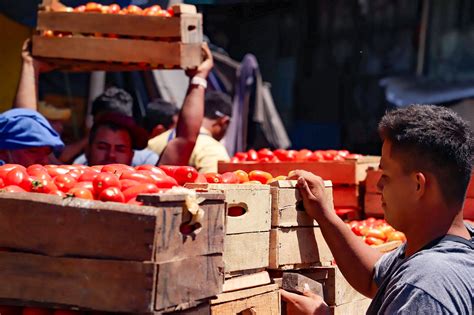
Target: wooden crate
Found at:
373, 176
388, 247
346, 196
262, 300
373, 205
247, 240
349, 172
468, 210
108, 256
287, 205
145, 42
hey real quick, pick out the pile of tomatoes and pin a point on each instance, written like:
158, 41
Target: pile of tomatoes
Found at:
281, 155
242, 177
375, 231
93, 7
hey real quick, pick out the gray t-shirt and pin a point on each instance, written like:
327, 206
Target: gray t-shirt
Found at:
439, 279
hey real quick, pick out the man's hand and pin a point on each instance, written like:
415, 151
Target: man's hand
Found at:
205, 67
39, 66
311, 187
306, 304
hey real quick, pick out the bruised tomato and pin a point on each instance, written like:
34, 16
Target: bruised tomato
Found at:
80, 192
111, 194
185, 174
260, 176
104, 181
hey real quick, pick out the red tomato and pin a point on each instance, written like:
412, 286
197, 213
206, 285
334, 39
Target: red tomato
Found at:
353, 156
234, 160
153, 10
282, 155
37, 172
113, 9
373, 241
75, 173
261, 176
2, 183
45, 186
343, 153
185, 174
88, 176
117, 169
12, 188
36, 311
165, 181
86, 185
80, 8
200, 179
54, 170
252, 155
377, 234
242, 156
356, 229
133, 9
4, 169
151, 168
316, 156
230, 178
93, 7
127, 183
111, 194
64, 182
169, 169
10, 310
213, 178
139, 177
242, 176
265, 153
134, 191
170, 11
80, 192
303, 155
104, 181
18, 177
396, 236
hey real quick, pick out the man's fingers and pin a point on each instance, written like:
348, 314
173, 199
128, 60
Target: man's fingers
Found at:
289, 296
312, 295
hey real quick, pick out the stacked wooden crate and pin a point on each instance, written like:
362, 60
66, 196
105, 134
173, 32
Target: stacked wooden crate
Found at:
345, 176
246, 249
78, 41
373, 196
469, 202
78, 254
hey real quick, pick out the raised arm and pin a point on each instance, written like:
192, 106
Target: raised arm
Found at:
355, 258
178, 151
27, 91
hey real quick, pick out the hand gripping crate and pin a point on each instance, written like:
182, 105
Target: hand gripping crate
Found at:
115, 42
92, 255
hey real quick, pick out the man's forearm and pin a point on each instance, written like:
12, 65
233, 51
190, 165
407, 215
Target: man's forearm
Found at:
26, 95
355, 258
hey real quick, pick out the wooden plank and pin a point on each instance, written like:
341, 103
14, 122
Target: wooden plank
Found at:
114, 286
171, 244
354, 308
242, 294
246, 251
373, 176
183, 8
287, 205
189, 279
373, 205
298, 246
118, 50
468, 210
346, 196
200, 309
180, 28
349, 172
246, 281
54, 226
255, 199
267, 303
157, 199
470, 187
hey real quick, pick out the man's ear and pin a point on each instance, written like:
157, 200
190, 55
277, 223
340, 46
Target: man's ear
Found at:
223, 121
157, 130
420, 182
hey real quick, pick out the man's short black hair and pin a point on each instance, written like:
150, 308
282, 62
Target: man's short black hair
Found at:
433, 139
159, 112
217, 105
113, 100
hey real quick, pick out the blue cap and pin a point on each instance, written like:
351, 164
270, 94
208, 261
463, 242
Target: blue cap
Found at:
25, 128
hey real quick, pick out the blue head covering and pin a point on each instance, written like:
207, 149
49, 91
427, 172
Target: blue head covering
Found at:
25, 128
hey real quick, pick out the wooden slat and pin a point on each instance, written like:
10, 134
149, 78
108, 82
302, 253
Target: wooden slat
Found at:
246, 251
118, 50
155, 199
349, 172
373, 176
298, 246
468, 210
287, 205
246, 281
267, 303
387, 247
183, 8
186, 28
470, 187
373, 205
54, 226
346, 196
115, 286
188, 280
255, 199
242, 294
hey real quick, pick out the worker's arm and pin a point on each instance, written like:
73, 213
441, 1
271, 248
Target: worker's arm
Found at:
27, 91
355, 258
178, 151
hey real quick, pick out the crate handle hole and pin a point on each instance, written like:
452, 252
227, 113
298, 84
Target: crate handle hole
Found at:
190, 229
192, 27
236, 210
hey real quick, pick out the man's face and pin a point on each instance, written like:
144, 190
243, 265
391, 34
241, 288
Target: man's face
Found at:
110, 146
30, 156
397, 188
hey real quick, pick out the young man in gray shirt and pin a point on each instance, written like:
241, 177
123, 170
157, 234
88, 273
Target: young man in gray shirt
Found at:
426, 167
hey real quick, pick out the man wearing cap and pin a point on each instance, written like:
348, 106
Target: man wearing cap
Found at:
26, 138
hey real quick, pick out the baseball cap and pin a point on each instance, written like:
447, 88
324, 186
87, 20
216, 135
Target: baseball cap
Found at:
22, 128
138, 134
